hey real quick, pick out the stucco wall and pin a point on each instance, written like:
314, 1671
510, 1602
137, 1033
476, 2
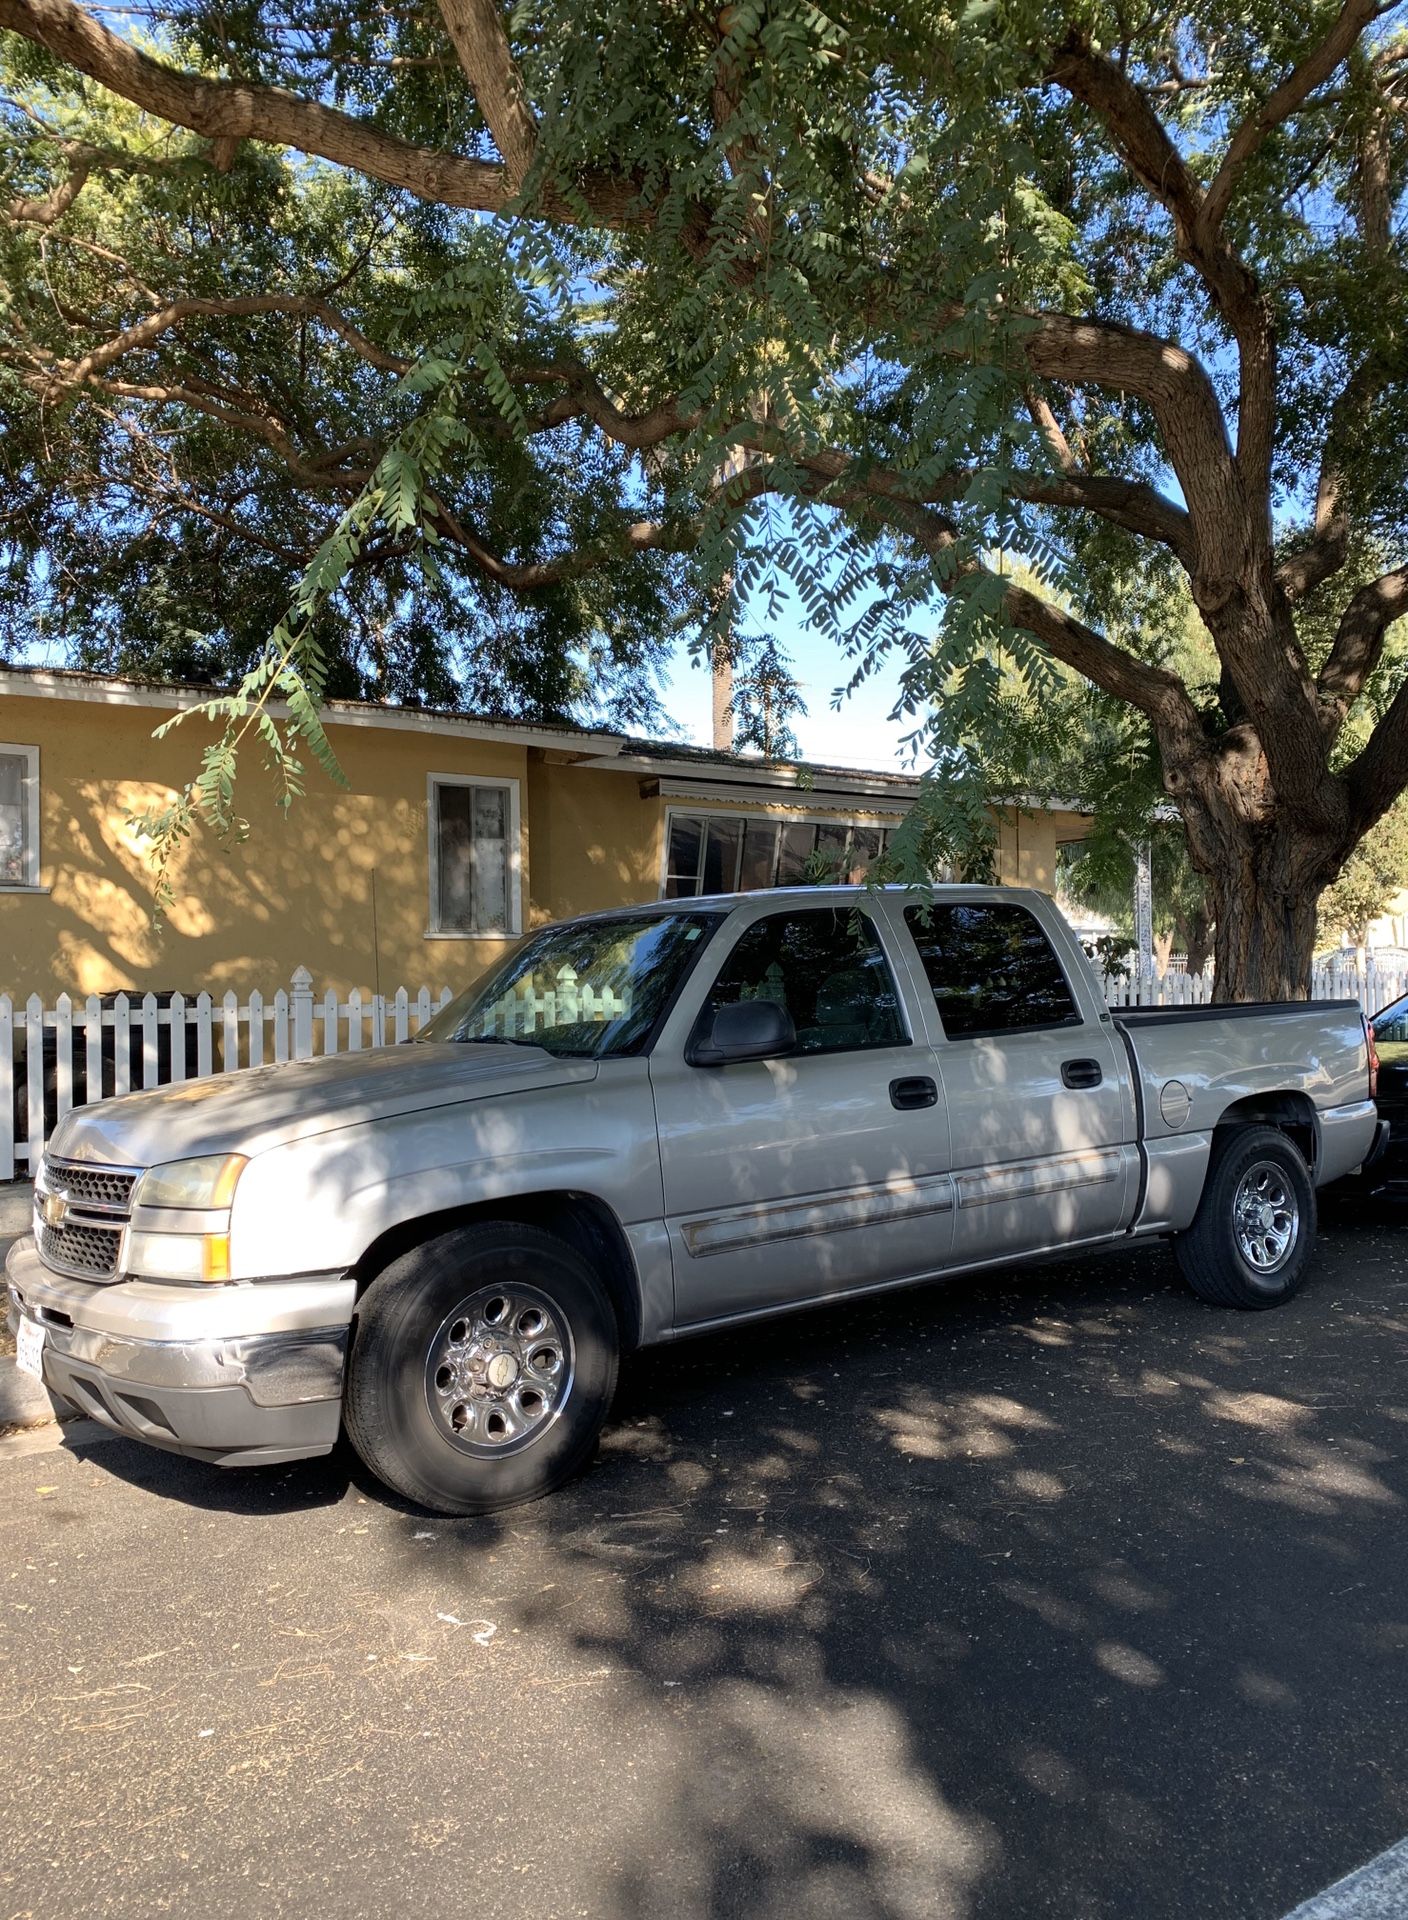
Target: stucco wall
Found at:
1027, 844
596, 841
341, 884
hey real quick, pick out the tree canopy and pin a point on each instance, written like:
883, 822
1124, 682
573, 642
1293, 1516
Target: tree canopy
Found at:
832, 302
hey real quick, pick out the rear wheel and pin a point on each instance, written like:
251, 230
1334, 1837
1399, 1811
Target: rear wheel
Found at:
1250, 1243
482, 1369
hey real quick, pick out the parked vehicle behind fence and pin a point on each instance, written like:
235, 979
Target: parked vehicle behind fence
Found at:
752, 1104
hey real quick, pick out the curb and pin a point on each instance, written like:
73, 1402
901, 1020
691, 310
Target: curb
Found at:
1378, 1891
24, 1401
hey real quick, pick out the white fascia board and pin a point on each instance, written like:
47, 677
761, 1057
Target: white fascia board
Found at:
714, 777
807, 801
337, 713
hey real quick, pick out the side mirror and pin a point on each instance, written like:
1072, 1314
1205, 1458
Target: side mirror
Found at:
746, 1030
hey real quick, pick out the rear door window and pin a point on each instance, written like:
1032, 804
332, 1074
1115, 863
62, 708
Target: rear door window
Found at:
991, 969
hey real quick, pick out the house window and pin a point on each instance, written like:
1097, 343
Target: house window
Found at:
474, 859
733, 852
19, 816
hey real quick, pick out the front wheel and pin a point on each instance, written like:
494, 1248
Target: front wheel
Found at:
482, 1368
1250, 1242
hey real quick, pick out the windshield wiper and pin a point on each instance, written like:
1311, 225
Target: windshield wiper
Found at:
498, 1040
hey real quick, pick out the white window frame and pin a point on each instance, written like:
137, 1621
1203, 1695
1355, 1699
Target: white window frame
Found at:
886, 822
30, 755
434, 781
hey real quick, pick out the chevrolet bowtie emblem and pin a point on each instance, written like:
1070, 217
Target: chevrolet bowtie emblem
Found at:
54, 1207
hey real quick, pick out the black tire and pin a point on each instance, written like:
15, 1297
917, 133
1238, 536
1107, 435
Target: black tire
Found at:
1211, 1254
409, 1432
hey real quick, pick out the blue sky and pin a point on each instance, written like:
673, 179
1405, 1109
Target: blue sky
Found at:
861, 734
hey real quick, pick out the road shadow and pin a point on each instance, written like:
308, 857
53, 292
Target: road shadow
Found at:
293, 1487
1050, 1593
1061, 1594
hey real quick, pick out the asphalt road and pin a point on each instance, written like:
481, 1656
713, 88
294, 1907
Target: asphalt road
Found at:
1060, 1595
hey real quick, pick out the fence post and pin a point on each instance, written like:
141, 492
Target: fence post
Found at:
302, 1014
121, 1044
176, 1015
205, 1019
93, 1048
63, 1057
34, 1077
230, 1034
151, 1057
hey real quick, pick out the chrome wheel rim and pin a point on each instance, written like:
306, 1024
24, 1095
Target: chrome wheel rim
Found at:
1265, 1217
499, 1370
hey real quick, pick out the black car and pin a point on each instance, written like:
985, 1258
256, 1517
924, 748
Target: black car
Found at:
1390, 1027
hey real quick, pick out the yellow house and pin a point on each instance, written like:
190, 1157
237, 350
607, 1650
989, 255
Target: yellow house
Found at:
453, 836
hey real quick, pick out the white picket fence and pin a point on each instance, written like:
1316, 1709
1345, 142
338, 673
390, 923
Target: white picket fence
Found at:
87, 1051
1376, 986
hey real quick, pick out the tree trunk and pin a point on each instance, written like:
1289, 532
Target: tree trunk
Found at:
721, 673
1197, 942
1263, 894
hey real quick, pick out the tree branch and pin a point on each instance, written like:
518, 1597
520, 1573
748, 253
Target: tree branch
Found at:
1131, 504
1155, 691
1102, 353
1378, 776
481, 44
1328, 547
1359, 642
634, 536
239, 110
43, 213
146, 332
1279, 105
1143, 144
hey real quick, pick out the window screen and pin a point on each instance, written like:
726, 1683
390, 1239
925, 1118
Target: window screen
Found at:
827, 969
17, 854
992, 969
474, 859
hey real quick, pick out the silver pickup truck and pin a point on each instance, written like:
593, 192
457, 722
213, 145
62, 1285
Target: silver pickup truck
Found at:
644, 1124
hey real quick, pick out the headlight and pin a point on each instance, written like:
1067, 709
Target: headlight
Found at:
206, 1184
188, 1259
195, 1253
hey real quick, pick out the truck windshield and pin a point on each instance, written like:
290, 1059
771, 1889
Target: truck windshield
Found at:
588, 989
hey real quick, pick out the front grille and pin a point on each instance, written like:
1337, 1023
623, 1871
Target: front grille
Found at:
87, 1239
108, 1188
81, 1248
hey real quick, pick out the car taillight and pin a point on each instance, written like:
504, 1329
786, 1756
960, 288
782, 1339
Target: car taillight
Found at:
1373, 1060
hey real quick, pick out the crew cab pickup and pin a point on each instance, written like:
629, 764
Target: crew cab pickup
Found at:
644, 1124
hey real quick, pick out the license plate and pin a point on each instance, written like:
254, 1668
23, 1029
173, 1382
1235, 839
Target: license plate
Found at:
29, 1348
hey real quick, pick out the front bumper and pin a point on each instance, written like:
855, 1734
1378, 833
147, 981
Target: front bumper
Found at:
236, 1375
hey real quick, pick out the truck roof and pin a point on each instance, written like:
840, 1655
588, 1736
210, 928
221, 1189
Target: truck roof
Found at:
726, 902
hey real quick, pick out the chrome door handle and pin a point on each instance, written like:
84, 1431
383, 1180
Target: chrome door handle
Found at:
1081, 1073
916, 1091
